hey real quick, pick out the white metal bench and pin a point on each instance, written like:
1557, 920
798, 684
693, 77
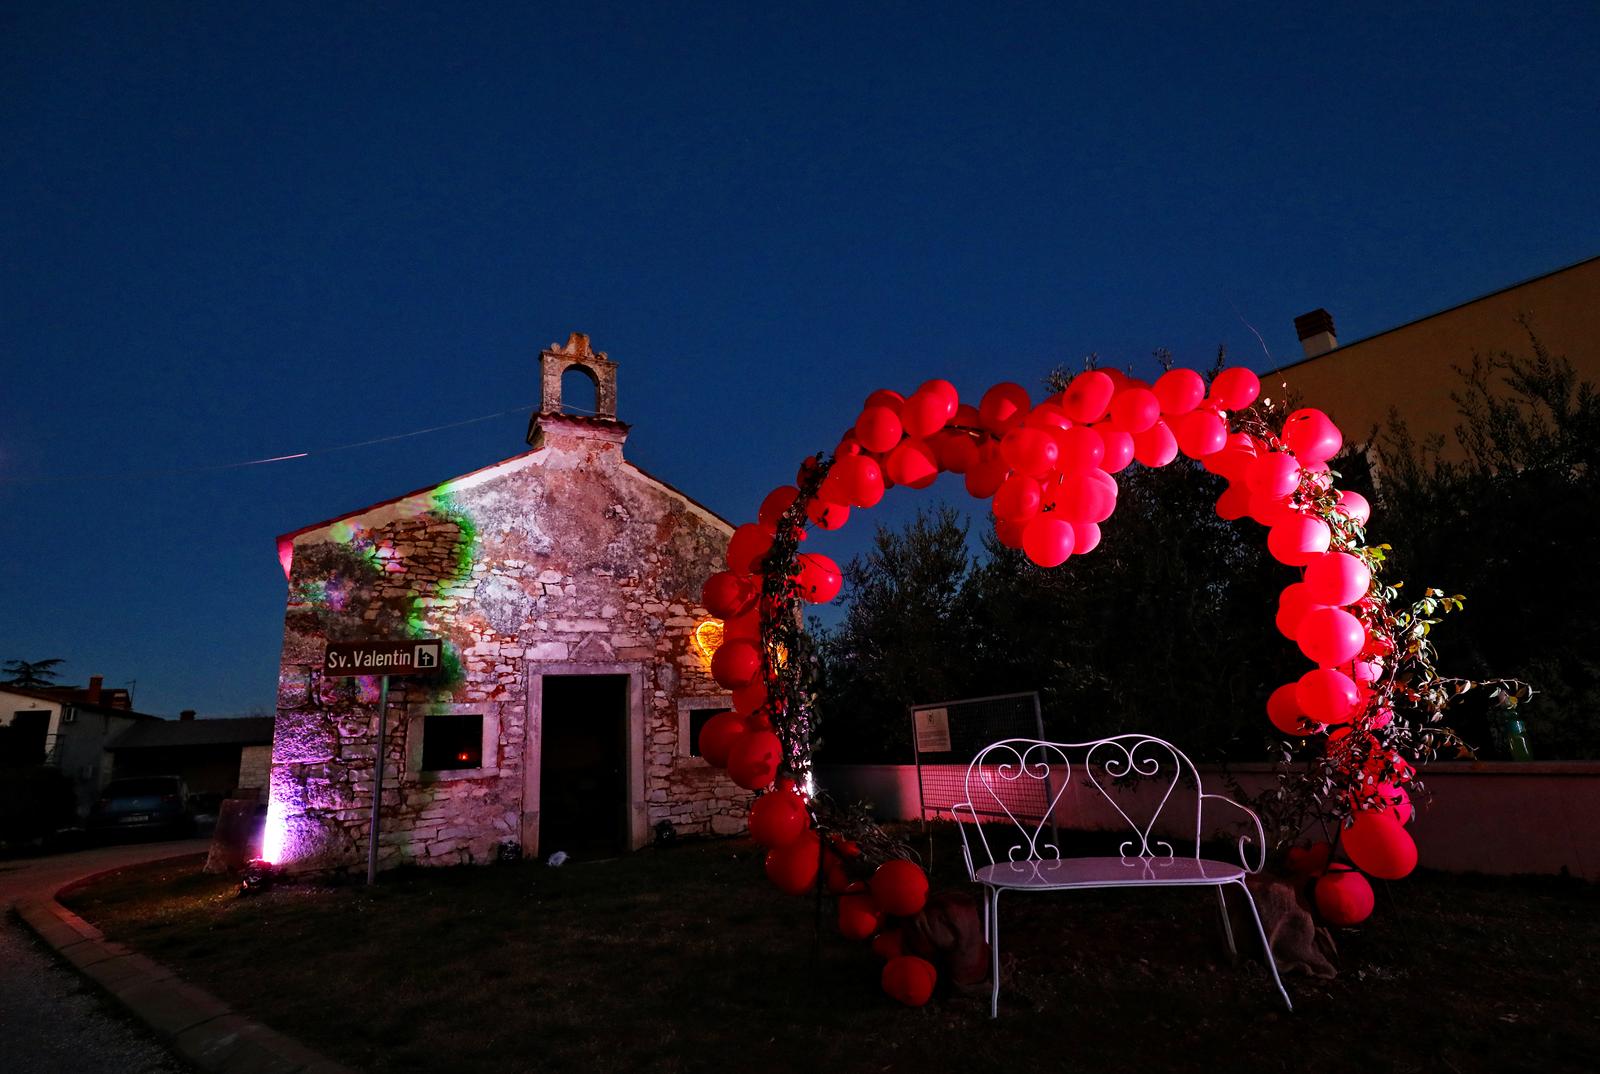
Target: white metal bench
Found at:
1016, 832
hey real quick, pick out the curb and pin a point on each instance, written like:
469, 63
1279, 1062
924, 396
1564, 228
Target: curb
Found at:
197, 1025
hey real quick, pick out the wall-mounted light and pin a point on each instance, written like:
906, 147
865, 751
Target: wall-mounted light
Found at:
707, 637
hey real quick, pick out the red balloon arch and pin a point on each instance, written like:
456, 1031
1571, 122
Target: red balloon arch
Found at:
1049, 471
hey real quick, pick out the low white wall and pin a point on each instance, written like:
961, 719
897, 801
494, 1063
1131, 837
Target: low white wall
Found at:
1488, 817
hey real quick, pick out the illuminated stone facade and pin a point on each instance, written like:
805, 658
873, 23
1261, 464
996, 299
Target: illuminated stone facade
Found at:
566, 560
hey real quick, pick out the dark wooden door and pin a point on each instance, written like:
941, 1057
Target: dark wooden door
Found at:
583, 765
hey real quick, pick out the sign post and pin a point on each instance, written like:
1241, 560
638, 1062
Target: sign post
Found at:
344, 659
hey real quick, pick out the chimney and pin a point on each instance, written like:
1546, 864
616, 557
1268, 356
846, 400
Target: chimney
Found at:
1315, 330
95, 682
186, 714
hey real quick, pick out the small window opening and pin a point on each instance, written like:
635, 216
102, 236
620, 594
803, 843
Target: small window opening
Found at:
451, 742
697, 722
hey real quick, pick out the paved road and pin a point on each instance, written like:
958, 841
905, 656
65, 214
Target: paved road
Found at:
51, 1020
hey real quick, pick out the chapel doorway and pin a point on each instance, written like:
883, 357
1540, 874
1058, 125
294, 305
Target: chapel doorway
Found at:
583, 765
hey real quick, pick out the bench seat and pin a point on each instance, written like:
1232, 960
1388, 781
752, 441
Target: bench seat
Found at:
1047, 874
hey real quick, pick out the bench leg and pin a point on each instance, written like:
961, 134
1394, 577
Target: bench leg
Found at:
1227, 926
1272, 963
994, 952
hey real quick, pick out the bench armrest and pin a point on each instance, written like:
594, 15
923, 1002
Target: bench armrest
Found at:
1260, 838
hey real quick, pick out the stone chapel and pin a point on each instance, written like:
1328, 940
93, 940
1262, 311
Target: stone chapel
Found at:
565, 585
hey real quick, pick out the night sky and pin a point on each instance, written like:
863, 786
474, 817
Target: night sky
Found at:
229, 232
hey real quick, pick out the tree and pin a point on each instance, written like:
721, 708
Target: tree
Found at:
1510, 523
905, 637
35, 673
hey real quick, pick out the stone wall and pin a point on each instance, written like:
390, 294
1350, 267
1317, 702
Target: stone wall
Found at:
566, 558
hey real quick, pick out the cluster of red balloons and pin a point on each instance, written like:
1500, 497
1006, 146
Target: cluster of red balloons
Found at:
797, 857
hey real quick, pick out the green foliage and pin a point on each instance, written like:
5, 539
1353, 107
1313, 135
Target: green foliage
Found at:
1509, 520
25, 673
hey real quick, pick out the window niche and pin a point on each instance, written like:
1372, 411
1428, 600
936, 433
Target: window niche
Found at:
693, 712
456, 742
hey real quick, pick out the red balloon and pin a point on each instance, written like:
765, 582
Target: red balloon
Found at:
748, 698
735, 663
747, 624
859, 917
1003, 406
1087, 396
854, 479
1029, 451
1133, 410
749, 545
1235, 388
889, 944
1269, 510
1285, 713
1293, 604
1312, 436
985, 476
1234, 503
1343, 896
1273, 474
1356, 506
1327, 696
929, 408
1119, 448
1047, 416
827, 516
1200, 433
1084, 496
777, 502
900, 887
716, 737
1179, 391
955, 450
1233, 461
1010, 533
1156, 446
819, 578
910, 980
753, 759
885, 397
1310, 860
1337, 578
1080, 448
1380, 845
878, 429
1047, 540
726, 595
912, 464
1298, 540
778, 819
1018, 499
793, 868
1330, 636
1085, 538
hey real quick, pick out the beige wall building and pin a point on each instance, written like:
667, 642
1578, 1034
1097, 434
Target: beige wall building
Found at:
1412, 367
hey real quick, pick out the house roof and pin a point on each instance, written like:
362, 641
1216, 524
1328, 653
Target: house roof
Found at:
484, 472
165, 734
1344, 348
56, 698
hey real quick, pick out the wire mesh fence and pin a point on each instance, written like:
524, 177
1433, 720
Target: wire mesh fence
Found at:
947, 735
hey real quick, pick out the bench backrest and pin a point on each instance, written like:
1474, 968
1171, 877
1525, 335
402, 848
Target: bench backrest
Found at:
1015, 788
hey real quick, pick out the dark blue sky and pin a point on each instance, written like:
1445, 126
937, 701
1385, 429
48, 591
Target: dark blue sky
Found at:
230, 233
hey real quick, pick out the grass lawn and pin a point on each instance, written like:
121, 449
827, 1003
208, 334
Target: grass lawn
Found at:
684, 959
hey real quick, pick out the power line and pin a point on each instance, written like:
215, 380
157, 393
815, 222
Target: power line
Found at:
134, 475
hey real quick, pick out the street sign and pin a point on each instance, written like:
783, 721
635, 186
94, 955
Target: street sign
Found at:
416, 656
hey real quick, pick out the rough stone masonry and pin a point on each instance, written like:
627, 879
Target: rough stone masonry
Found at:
564, 560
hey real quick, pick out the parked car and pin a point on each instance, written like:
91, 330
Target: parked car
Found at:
143, 804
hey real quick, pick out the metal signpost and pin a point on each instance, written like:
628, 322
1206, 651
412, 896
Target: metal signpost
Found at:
344, 659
